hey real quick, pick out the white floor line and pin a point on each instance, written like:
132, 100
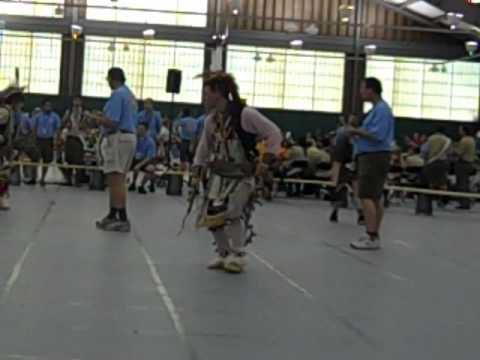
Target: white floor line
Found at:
17, 269
22, 357
402, 243
283, 276
162, 291
395, 276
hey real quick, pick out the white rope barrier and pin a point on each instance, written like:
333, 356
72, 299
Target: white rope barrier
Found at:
328, 184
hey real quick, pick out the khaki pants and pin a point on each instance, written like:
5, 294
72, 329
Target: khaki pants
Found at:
117, 152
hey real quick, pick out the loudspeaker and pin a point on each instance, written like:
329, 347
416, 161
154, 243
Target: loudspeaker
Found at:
424, 205
174, 185
174, 81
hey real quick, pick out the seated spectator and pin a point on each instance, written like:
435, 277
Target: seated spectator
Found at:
187, 127
24, 142
396, 167
283, 153
435, 153
477, 141
295, 152
416, 141
317, 155
143, 161
464, 166
76, 126
412, 159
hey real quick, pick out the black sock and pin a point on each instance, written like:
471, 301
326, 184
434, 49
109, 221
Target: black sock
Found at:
373, 235
123, 214
113, 213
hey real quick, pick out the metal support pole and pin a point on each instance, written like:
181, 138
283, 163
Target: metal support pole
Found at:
170, 129
357, 32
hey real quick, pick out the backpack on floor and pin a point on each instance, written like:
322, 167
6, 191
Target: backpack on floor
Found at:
174, 185
424, 205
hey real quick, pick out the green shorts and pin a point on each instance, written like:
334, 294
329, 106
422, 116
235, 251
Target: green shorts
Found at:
372, 174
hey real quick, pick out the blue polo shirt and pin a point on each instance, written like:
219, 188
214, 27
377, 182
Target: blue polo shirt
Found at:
200, 125
23, 123
146, 148
153, 120
188, 128
381, 124
121, 108
47, 125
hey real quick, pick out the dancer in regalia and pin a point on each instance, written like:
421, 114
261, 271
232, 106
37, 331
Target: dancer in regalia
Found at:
227, 155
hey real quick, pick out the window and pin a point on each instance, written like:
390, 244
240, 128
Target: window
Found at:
45, 8
429, 89
146, 64
165, 12
37, 57
288, 79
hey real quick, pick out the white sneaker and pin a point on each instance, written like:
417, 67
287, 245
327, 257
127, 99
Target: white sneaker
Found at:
217, 264
235, 264
4, 204
365, 243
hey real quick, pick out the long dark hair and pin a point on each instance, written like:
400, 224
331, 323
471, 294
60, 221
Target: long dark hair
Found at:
226, 85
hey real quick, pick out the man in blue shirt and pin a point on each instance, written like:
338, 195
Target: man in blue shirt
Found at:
47, 126
117, 149
151, 118
25, 140
198, 132
373, 145
200, 125
187, 127
144, 155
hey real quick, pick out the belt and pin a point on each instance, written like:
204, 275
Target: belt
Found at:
119, 132
374, 153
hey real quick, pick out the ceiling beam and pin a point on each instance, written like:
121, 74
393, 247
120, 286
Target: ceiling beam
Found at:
434, 50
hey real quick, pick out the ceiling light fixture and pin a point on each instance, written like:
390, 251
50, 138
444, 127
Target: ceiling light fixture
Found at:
296, 44
291, 27
59, 10
471, 47
345, 13
149, 34
370, 49
270, 59
312, 29
426, 9
77, 31
396, 2
453, 19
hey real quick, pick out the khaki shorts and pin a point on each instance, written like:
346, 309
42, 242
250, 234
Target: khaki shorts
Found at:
117, 152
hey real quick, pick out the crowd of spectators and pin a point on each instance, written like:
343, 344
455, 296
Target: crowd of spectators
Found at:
434, 160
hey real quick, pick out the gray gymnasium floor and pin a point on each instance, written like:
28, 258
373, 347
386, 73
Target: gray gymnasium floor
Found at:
71, 292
